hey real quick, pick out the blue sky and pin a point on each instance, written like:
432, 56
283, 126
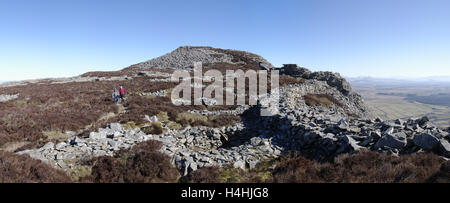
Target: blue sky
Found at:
380, 38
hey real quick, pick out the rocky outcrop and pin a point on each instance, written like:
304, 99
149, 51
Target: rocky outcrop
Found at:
185, 57
323, 133
332, 79
7, 97
292, 98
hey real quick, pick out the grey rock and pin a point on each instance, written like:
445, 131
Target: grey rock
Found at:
47, 146
389, 131
252, 164
97, 135
239, 164
60, 145
375, 134
351, 142
348, 143
7, 97
65, 156
426, 141
396, 141
445, 147
255, 141
423, 121
76, 140
334, 80
399, 121
417, 128
342, 124
99, 153
193, 166
115, 126
295, 70
113, 144
367, 141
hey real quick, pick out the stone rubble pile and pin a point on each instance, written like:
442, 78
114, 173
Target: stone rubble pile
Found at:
8, 97
190, 148
326, 136
292, 97
185, 57
332, 79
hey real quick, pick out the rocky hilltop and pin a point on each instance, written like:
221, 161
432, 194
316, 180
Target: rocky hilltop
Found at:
319, 116
185, 56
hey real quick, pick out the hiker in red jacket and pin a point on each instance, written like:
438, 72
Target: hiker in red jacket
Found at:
122, 92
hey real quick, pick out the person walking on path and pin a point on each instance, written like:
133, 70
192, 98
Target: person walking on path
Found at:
115, 95
122, 92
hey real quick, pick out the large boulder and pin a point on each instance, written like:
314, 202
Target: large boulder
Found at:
334, 80
47, 146
97, 135
395, 140
115, 126
423, 121
426, 141
342, 125
444, 147
7, 97
349, 143
295, 71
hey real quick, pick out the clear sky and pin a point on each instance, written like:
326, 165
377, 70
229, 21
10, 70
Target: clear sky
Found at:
380, 38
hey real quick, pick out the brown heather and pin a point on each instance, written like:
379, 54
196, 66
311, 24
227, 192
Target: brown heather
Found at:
362, 167
142, 164
23, 169
321, 100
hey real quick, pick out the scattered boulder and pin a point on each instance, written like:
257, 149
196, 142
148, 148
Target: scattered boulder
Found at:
60, 146
342, 124
423, 121
97, 135
348, 143
295, 71
426, 141
444, 147
396, 141
334, 80
239, 164
151, 119
115, 127
8, 97
47, 146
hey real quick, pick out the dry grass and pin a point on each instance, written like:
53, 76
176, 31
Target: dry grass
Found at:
321, 100
285, 80
154, 129
210, 121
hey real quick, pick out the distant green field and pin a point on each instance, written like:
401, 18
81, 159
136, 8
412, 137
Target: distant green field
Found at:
395, 103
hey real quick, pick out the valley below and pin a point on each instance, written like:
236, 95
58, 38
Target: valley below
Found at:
393, 99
